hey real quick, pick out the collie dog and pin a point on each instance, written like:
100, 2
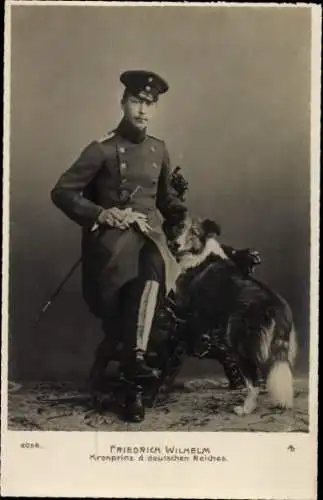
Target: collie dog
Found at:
233, 309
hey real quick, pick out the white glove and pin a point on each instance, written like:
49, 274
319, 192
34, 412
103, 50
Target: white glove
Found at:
123, 219
142, 225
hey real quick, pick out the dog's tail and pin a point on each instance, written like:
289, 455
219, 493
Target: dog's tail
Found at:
292, 348
280, 384
283, 351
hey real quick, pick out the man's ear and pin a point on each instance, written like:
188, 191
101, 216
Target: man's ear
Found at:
211, 227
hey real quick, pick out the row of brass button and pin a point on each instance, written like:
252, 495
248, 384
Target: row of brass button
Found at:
125, 194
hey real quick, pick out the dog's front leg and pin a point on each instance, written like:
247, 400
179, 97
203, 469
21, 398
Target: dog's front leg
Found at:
250, 403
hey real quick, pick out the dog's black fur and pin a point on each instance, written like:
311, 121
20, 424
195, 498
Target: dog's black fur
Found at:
237, 313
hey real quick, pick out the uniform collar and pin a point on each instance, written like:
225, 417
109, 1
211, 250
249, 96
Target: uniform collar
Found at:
128, 131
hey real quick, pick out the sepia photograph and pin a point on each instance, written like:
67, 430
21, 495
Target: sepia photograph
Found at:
159, 221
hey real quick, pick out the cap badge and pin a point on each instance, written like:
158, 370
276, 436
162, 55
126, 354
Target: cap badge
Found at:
142, 80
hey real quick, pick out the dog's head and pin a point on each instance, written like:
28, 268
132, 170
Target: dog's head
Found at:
189, 235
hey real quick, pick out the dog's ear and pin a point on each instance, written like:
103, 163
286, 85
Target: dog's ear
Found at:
211, 227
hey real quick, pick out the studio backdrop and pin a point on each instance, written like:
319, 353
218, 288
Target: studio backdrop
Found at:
236, 119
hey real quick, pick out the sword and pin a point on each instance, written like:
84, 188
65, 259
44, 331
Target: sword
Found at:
59, 288
54, 295
48, 303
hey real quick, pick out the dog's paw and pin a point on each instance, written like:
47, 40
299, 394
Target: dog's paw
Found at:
249, 407
239, 410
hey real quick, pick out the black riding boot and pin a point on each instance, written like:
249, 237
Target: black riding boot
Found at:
137, 374
136, 368
140, 300
134, 409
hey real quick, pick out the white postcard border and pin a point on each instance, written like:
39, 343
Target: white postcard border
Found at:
263, 467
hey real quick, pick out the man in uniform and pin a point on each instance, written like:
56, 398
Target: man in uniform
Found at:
116, 191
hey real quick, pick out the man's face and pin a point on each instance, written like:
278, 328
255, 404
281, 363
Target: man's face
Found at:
138, 111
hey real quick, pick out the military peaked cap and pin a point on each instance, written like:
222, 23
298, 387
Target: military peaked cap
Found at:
144, 84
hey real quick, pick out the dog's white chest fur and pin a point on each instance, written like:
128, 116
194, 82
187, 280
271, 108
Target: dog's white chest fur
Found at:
212, 247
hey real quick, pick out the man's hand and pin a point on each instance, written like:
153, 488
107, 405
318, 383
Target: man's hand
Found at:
254, 256
123, 219
138, 220
141, 223
247, 259
179, 183
112, 217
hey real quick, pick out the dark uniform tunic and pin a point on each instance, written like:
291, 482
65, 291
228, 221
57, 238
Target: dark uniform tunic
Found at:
128, 169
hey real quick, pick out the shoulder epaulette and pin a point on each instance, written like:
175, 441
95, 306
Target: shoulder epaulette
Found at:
109, 135
155, 139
